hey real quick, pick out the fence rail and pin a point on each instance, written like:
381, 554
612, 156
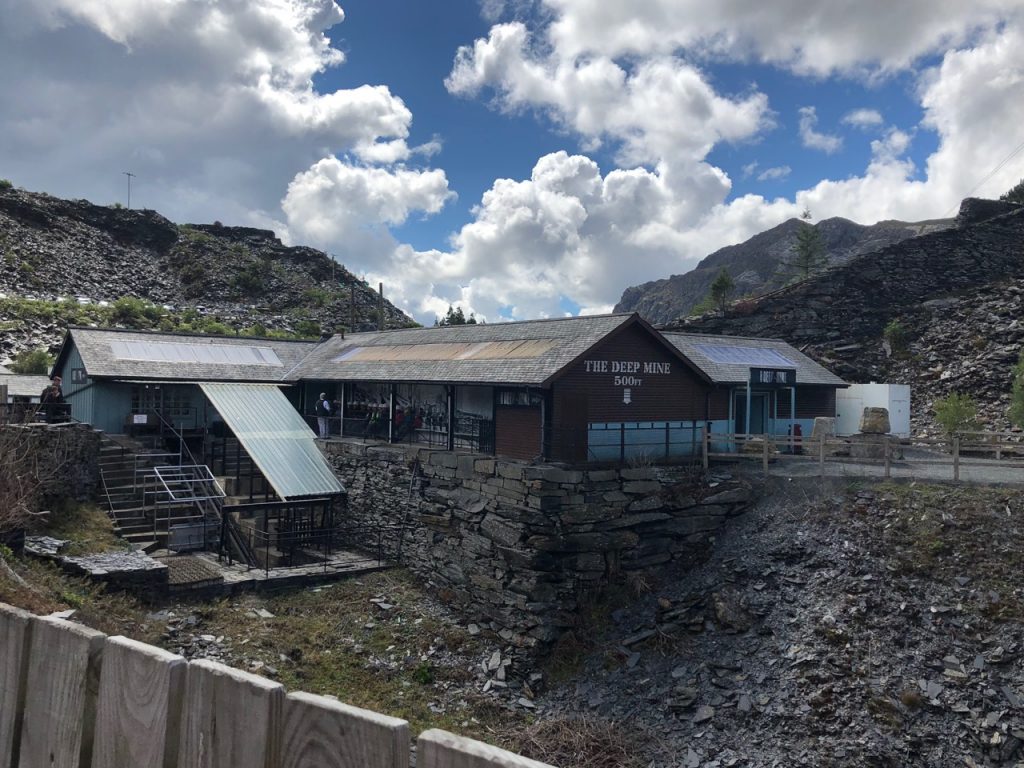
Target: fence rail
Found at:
71, 697
981, 456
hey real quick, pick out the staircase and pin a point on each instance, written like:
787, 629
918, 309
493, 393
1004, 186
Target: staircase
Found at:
136, 501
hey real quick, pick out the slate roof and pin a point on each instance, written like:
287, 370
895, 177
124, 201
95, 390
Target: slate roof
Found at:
110, 353
521, 353
701, 349
21, 385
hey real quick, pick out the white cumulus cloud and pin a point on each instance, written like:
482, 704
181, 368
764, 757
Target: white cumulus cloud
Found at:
812, 137
863, 118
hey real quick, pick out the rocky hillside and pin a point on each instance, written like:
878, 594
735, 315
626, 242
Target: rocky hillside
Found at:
957, 294
755, 264
239, 276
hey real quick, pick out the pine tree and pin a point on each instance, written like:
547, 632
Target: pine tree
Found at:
456, 317
722, 289
808, 255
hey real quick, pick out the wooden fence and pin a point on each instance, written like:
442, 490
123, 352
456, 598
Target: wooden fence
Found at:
1002, 452
71, 697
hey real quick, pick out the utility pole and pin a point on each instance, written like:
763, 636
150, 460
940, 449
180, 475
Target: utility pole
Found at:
130, 176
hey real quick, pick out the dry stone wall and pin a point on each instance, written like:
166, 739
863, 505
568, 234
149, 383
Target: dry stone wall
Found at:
519, 545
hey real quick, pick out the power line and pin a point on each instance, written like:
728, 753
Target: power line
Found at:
999, 166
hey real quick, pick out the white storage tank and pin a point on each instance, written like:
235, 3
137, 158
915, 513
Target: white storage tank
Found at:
851, 402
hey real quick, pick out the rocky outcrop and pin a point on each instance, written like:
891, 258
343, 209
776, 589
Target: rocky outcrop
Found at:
755, 264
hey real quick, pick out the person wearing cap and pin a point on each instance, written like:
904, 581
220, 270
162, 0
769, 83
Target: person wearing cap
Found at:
52, 400
323, 411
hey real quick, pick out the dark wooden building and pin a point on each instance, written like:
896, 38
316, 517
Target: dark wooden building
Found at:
578, 389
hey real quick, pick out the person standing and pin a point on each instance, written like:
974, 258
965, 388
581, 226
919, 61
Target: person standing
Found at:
52, 401
323, 412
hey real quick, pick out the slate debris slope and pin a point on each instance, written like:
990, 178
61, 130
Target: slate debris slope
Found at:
52, 248
871, 627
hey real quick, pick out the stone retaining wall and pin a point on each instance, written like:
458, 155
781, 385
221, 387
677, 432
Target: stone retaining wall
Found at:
519, 545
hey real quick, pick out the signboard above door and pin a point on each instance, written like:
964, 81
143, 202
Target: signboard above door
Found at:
772, 377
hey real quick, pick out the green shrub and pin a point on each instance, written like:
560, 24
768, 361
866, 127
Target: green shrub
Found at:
956, 413
317, 297
191, 272
252, 279
896, 334
308, 329
5, 184
32, 361
1017, 393
136, 313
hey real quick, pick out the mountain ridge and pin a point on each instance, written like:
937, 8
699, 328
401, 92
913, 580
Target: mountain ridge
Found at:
754, 264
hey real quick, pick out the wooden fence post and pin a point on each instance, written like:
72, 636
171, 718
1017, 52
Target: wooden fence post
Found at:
705, 441
324, 733
764, 455
956, 457
821, 456
888, 459
138, 714
15, 637
231, 719
60, 703
440, 749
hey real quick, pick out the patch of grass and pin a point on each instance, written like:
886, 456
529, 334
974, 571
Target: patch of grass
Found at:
50, 589
86, 526
405, 662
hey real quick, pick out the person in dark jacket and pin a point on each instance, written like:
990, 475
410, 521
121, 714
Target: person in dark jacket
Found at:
323, 411
52, 401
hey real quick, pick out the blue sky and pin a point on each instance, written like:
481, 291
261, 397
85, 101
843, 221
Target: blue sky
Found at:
519, 158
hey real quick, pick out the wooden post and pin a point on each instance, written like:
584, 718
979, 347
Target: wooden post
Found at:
139, 710
15, 636
231, 718
440, 749
888, 459
821, 455
324, 733
705, 440
60, 703
956, 457
764, 454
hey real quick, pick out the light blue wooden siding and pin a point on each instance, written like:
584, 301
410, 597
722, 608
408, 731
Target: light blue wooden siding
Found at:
81, 394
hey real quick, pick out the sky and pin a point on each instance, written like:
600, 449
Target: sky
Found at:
516, 158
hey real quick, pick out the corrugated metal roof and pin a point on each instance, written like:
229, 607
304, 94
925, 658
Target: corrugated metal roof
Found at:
5, 370
22, 385
721, 370
180, 357
276, 438
526, 353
